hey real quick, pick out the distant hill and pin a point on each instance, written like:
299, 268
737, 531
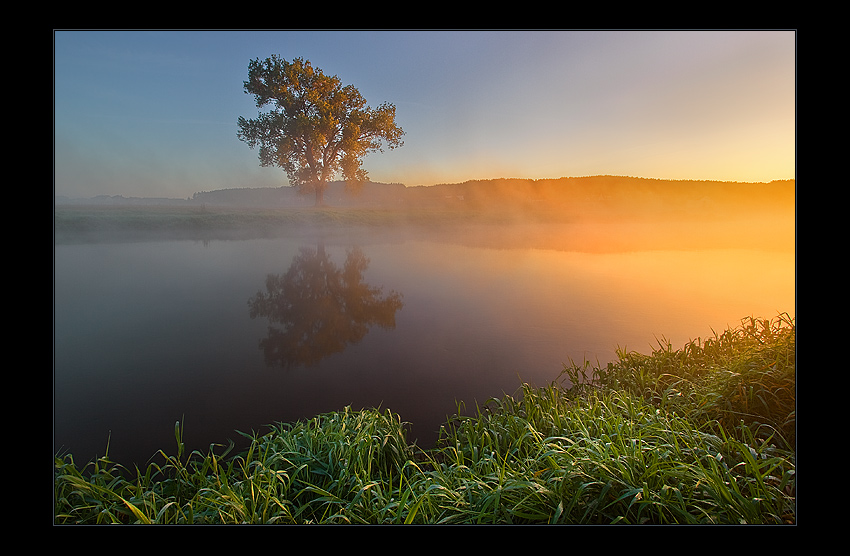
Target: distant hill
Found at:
610, 194
610, 191
373, 194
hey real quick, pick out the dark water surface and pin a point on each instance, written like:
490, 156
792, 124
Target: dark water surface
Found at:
234, 335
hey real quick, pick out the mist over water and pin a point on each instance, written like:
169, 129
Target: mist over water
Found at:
151, 332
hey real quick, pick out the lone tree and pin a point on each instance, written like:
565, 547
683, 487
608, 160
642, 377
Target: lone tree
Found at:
315, 128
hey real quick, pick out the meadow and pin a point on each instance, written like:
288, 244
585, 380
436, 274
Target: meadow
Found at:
699, 434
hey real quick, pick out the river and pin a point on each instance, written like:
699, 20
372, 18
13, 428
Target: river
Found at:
229, 336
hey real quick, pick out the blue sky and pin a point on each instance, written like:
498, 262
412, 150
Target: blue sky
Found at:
153, 113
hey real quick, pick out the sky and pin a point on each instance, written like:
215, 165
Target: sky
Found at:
153, 113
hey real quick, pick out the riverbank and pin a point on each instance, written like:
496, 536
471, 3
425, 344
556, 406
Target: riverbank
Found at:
702, 434
579, 230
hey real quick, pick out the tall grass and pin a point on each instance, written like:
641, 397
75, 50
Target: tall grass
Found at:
742, 376
699, 435
613, 458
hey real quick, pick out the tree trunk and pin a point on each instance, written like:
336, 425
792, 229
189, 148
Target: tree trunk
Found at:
320, 194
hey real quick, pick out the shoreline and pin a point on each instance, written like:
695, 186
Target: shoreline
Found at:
542, 229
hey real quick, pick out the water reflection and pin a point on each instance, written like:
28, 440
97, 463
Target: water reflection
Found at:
147, 333
316, 308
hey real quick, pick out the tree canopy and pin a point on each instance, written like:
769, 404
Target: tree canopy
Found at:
314, 128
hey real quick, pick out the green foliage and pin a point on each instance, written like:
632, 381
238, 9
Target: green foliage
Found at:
702, 435
742, 376
606, 458
314, 127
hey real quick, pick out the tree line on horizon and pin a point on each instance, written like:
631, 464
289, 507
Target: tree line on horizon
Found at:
548, 193
518, 193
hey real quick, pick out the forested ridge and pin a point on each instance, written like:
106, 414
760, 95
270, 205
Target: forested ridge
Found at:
602, 192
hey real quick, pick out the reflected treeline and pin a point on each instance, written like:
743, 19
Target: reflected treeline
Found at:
317, 308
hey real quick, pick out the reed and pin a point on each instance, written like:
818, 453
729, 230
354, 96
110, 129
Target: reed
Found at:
700, 435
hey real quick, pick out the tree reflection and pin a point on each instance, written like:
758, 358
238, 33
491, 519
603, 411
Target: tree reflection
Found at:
316, 308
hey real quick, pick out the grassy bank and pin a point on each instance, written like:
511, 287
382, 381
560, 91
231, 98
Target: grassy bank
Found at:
542, 228
88, 218
703, 434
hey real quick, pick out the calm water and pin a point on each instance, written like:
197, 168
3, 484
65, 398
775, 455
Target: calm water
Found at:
233, 335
